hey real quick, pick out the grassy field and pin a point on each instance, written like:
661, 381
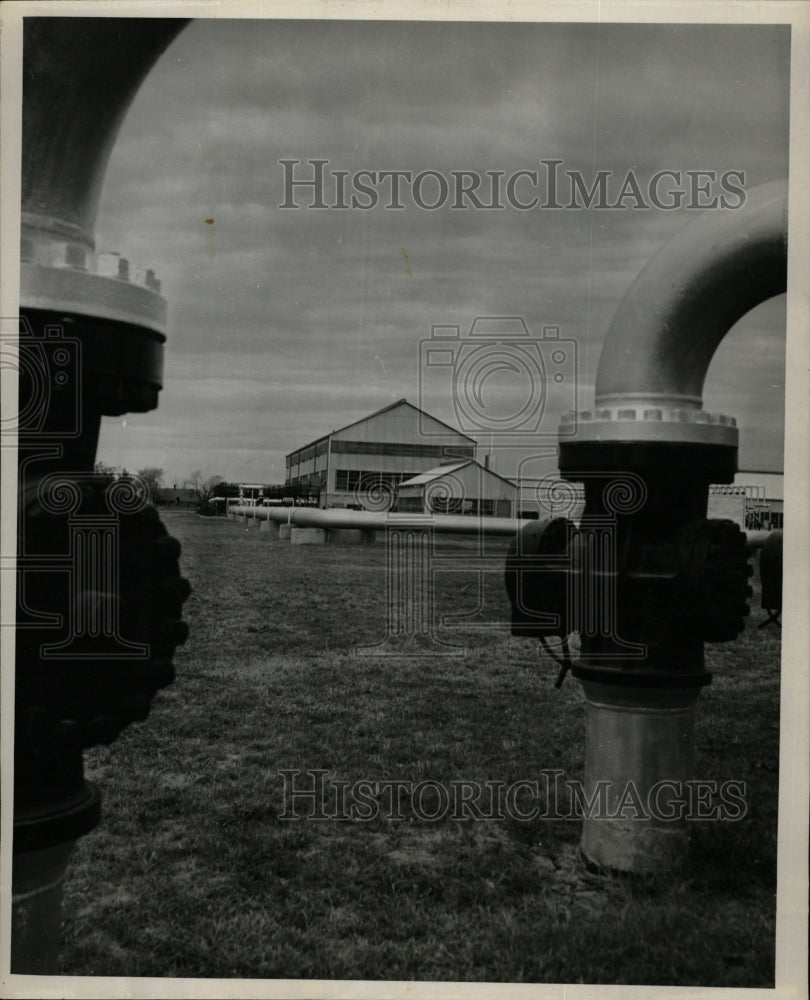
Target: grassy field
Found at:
193, 873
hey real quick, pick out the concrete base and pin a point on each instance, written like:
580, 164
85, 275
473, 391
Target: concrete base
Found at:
350, 536
269, 527
284, 530
36, 909
638, 759
307, 536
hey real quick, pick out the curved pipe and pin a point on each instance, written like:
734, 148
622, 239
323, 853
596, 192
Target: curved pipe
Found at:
669, 324
81, 75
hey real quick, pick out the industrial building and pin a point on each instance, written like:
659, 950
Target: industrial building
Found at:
548, 497
458, 488
755, 500
362, 464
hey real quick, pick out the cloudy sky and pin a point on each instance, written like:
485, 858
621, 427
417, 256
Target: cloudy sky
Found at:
285, 324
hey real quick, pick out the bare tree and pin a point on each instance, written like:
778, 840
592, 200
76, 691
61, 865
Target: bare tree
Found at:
153, 480
102, 469
202, 486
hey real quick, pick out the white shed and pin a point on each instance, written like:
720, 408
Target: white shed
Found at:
458, 488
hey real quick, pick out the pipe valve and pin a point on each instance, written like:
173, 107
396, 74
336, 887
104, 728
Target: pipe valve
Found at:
536, 579
690, 588
712, 578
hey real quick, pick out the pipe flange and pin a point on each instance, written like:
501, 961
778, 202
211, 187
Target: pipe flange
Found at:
61, 274
649, 421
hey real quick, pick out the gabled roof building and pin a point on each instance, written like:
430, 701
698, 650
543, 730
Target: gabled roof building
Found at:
362, 464
458, 488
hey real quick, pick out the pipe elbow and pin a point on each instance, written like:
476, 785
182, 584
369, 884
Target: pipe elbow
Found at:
688, 296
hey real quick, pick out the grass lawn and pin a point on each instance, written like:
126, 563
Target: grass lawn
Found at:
193, 873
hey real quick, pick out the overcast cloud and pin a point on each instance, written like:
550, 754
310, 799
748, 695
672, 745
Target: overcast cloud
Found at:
287, 323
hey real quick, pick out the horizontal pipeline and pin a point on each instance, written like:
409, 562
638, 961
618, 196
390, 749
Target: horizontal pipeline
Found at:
368, 520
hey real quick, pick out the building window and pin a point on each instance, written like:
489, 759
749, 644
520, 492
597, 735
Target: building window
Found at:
447, 505
347, 479
366, 480
459, 505
412, 450
411, 504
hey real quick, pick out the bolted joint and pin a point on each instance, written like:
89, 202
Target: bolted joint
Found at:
712, 578
643, 604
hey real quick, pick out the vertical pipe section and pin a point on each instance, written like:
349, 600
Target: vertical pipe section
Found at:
640, 749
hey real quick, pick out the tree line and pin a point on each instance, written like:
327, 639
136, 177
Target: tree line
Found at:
204, 487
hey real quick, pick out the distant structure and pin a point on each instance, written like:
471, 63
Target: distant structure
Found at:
755, 500
176, 496
548, 497
361, 465
249, 493
459, 488
402, 458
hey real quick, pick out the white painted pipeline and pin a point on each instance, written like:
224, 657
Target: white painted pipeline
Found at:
756, 539
369, 520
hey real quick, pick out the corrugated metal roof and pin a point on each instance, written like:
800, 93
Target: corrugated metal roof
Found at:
377, 413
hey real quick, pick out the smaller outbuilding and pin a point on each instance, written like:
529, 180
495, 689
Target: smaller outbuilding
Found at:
755, 500
464, 487
176, 497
